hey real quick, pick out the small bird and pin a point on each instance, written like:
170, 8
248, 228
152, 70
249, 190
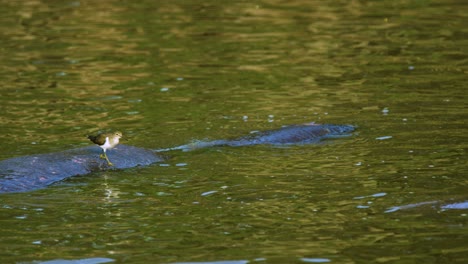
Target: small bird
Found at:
106, 141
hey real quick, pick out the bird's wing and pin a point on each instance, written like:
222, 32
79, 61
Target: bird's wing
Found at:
99, 139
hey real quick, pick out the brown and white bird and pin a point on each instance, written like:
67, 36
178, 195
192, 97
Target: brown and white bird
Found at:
106, 141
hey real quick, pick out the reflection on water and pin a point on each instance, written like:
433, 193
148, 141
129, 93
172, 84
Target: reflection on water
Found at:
78, 261
168, 73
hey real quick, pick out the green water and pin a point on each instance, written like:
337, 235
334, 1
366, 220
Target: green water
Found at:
169, 72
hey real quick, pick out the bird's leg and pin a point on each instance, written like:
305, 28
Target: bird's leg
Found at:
108, 161
103, 155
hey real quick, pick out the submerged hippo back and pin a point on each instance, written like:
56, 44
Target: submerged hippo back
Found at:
297, 134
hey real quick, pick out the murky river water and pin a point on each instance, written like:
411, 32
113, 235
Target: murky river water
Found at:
169, 72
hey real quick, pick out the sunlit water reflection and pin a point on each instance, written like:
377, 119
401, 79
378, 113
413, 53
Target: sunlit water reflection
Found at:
169, 73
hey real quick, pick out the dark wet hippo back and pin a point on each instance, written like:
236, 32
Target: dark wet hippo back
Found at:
37, 171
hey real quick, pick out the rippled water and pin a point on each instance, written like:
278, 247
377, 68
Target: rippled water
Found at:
169, 72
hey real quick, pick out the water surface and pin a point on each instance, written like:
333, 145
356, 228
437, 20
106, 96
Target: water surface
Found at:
169, 72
